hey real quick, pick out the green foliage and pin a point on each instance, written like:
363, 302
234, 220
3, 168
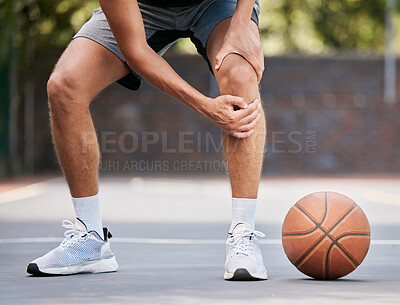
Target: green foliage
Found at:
349, 24
61, 19
317, 26
52, 22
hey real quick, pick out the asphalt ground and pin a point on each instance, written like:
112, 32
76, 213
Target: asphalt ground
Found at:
169, 239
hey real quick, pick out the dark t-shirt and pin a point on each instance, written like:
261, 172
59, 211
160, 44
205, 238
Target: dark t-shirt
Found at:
171, 3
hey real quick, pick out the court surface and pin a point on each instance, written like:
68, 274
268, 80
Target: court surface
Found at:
169, 236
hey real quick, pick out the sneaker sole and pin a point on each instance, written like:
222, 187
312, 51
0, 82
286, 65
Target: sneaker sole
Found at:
242, 274
99, 266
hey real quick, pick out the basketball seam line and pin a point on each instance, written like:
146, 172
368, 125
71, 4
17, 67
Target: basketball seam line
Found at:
334, 242
309, 251
326, 261
312, 219
343, 250
299, 234
351, 234
309, 216
305, 213
326, 208
341, 218
318, 225
326, 233
347, 254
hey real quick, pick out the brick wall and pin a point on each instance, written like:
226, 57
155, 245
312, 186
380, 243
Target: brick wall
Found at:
325, 115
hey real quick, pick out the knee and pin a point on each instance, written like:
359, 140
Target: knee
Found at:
62, 92
237, 77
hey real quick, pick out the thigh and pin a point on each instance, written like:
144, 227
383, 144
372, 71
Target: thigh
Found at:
216, 40
160, 28
88, 67
210, 25
236, 76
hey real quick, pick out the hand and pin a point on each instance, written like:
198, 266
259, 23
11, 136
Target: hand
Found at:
233, 115
241, 39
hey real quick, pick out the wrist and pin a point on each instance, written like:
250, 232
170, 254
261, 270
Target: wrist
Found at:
240, 20
243, 11
202, 104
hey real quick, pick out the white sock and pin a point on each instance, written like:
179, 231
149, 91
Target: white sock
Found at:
243, 211
87, 209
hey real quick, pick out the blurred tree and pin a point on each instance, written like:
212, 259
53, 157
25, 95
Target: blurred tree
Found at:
317, 26
351, 24
28, 25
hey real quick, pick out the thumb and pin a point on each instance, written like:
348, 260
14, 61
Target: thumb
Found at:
219, 59
238, 101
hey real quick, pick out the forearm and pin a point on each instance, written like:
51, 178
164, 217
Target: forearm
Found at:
240, 38
243, 11
154, 69
126, 23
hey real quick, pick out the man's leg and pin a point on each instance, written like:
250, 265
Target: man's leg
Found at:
82, 72
244, 156
84, 69
244, 159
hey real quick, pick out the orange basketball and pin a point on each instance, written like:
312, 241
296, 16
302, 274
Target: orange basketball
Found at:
326, 235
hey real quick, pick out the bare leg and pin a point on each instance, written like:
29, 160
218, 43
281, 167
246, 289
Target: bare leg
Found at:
84, 69
244, 156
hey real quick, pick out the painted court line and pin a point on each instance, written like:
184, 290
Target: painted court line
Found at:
167, 241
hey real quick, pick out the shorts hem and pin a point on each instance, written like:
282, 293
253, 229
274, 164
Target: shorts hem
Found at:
210, 29
208, 32
131, 80
112, 50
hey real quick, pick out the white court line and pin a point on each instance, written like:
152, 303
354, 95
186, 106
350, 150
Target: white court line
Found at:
167, 241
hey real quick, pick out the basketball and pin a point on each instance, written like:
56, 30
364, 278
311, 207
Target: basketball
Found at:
326, 235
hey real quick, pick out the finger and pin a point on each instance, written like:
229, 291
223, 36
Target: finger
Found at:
255, 62
251, 125
237, 101
220, 58
243, 113
248, 119
259, 68
261, 56
254, 106
261, 62
243, 135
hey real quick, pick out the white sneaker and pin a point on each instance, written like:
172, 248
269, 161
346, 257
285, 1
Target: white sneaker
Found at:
243, 256
80, 252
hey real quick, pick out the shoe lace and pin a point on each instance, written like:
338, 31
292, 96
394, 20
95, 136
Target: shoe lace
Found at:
72, 235
243, 242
